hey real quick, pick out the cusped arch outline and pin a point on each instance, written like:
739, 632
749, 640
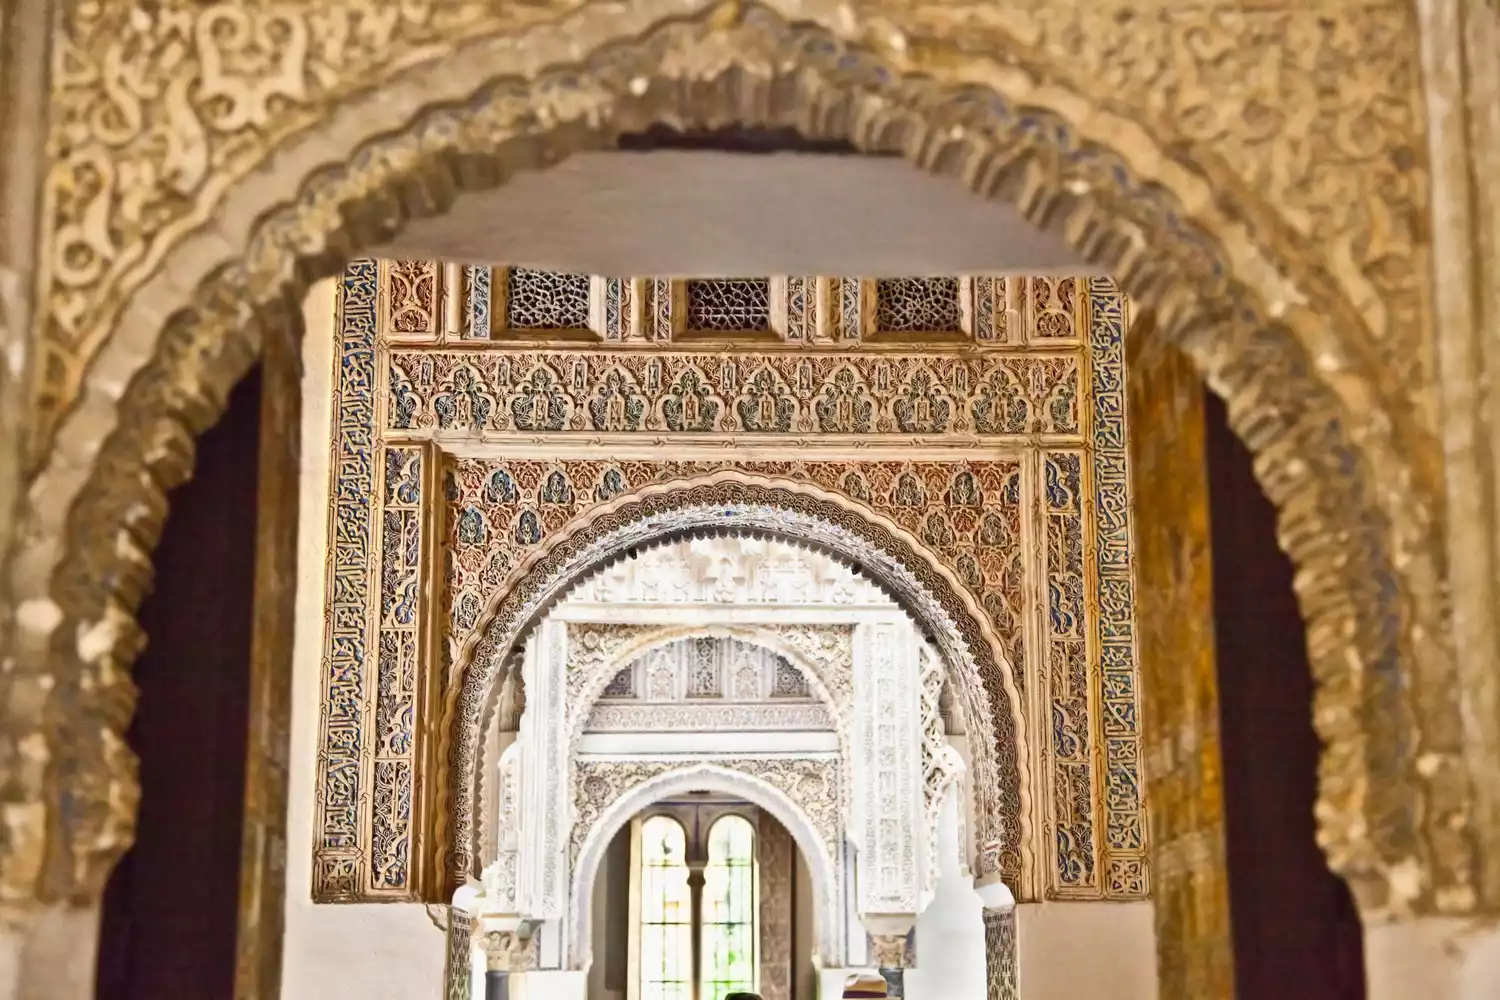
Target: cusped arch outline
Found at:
710, 778
802, 514
1351, 473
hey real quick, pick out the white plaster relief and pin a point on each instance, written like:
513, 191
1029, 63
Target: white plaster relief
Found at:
730, 569
544, 751
890, 814
798, 791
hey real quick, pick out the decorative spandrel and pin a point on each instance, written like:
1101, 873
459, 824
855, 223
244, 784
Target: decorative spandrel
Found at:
708, 684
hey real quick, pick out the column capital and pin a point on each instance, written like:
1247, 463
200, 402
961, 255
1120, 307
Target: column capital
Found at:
888, 950
507, 951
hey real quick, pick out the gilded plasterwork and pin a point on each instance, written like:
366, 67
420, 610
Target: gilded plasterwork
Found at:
1286, 257
460, 393
1175, 614
999, 526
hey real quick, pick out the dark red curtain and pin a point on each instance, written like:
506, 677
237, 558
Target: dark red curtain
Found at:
1297, 935
170, 910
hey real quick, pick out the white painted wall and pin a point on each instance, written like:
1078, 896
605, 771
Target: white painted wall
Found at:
1077, 950
611, 908
374, 952
1433, 957
950, 932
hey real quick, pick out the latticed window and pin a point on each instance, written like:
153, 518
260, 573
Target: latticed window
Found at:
729, 305
916, 305
666, 941
728, 933
546, 300
698, 909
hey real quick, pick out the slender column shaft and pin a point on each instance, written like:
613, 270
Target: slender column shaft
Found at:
496, 985
695, 894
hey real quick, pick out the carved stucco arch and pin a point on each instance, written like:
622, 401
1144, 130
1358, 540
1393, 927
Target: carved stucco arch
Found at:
1342, 449
711, 778
645, 638
804, 515
649, 637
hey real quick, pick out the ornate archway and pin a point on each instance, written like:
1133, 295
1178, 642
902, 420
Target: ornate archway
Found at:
806, 515
712, 778
159, 294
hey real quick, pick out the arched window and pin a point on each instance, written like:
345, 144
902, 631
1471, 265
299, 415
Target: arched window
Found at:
729, 909
666, 922
697, 928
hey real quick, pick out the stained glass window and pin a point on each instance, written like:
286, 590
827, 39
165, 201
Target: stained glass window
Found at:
666, 941
728, 930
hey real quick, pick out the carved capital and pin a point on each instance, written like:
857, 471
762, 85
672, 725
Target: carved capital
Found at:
507, 951
888, 951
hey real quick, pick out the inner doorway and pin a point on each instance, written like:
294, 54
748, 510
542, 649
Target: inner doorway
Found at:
698, 897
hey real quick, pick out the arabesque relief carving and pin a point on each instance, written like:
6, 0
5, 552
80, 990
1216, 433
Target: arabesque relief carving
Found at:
209, 160
999, 525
